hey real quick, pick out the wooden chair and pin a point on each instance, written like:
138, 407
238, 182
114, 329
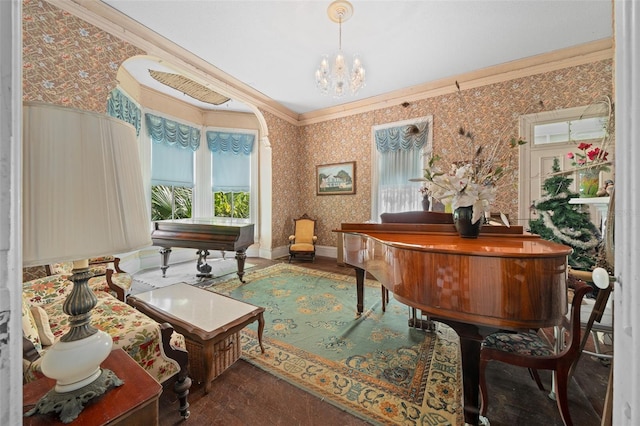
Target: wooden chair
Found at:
534, 352
303, 241
418, 216
596, 314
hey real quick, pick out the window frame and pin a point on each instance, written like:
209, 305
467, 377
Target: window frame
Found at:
375, 158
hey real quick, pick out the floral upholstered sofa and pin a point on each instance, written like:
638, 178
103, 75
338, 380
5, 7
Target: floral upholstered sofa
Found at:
155, 347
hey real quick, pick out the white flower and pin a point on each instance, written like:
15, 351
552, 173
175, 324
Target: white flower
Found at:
460, 190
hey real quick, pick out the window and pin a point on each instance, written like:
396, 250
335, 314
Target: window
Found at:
172, 167
400, 152
231, 177
171, 182
574, 130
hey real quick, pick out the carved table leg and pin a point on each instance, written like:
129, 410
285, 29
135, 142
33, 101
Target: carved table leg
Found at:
164, 257
260, 330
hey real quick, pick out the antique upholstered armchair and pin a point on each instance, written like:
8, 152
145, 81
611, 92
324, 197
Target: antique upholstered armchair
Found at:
303, 241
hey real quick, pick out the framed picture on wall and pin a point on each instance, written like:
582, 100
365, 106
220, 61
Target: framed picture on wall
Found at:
336, 178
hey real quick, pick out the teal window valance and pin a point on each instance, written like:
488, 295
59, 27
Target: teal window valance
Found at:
236, 143
120, 106
169, 132
409, 137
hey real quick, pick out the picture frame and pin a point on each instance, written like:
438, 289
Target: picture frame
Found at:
336, 178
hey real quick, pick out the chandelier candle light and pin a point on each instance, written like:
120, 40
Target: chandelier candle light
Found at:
333, 76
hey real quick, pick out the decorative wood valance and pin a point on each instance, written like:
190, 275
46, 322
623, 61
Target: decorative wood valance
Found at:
189, 87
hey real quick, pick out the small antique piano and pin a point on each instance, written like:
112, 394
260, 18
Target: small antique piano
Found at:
504, 279
203, 234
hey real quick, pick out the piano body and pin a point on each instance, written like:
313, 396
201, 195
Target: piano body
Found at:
503, 279
203, 234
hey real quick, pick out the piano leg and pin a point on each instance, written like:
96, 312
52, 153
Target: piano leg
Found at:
202, 266
471, 337
360, 290
164, 258
241, 255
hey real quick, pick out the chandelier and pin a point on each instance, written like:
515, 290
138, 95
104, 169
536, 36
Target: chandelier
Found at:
333, 75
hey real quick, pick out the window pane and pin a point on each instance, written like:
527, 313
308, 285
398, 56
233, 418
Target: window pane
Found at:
395, 192
232, 204
565, 131
588, 128
550, 133
170, 202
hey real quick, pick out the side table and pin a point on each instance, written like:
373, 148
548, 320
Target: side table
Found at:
133, 403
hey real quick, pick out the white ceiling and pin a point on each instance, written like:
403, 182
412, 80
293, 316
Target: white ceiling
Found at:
275, 46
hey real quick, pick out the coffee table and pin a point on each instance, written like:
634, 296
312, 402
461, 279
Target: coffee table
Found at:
209, 322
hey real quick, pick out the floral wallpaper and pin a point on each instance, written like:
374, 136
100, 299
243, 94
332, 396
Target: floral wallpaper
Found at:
289, 174
70, 62
67, 61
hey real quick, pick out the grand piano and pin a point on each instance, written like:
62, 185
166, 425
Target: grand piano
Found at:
203, 234
504, 279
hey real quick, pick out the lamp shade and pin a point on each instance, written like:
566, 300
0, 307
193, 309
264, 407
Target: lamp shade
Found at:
82, 190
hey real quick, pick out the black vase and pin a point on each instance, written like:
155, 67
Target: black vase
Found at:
425, 204
462, 217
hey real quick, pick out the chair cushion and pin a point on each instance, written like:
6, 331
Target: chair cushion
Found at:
42, 322
304, 231
62, 268
304, 247
528, 344
29, 326
122, 280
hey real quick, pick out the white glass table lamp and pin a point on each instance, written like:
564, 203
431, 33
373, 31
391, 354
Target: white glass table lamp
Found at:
82, 197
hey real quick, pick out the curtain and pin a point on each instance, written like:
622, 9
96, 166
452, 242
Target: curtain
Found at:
169, 132
172, 151
230, 142
231, 160
172, 165
120, 106
412, 136
401, 152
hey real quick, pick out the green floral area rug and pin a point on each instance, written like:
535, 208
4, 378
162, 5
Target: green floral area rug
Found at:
373, 366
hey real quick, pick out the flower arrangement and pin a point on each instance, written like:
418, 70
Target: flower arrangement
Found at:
466, 184
587, 157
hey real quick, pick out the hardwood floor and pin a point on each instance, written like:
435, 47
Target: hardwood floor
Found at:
244, 394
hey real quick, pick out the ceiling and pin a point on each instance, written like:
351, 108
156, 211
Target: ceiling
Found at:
275, 46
